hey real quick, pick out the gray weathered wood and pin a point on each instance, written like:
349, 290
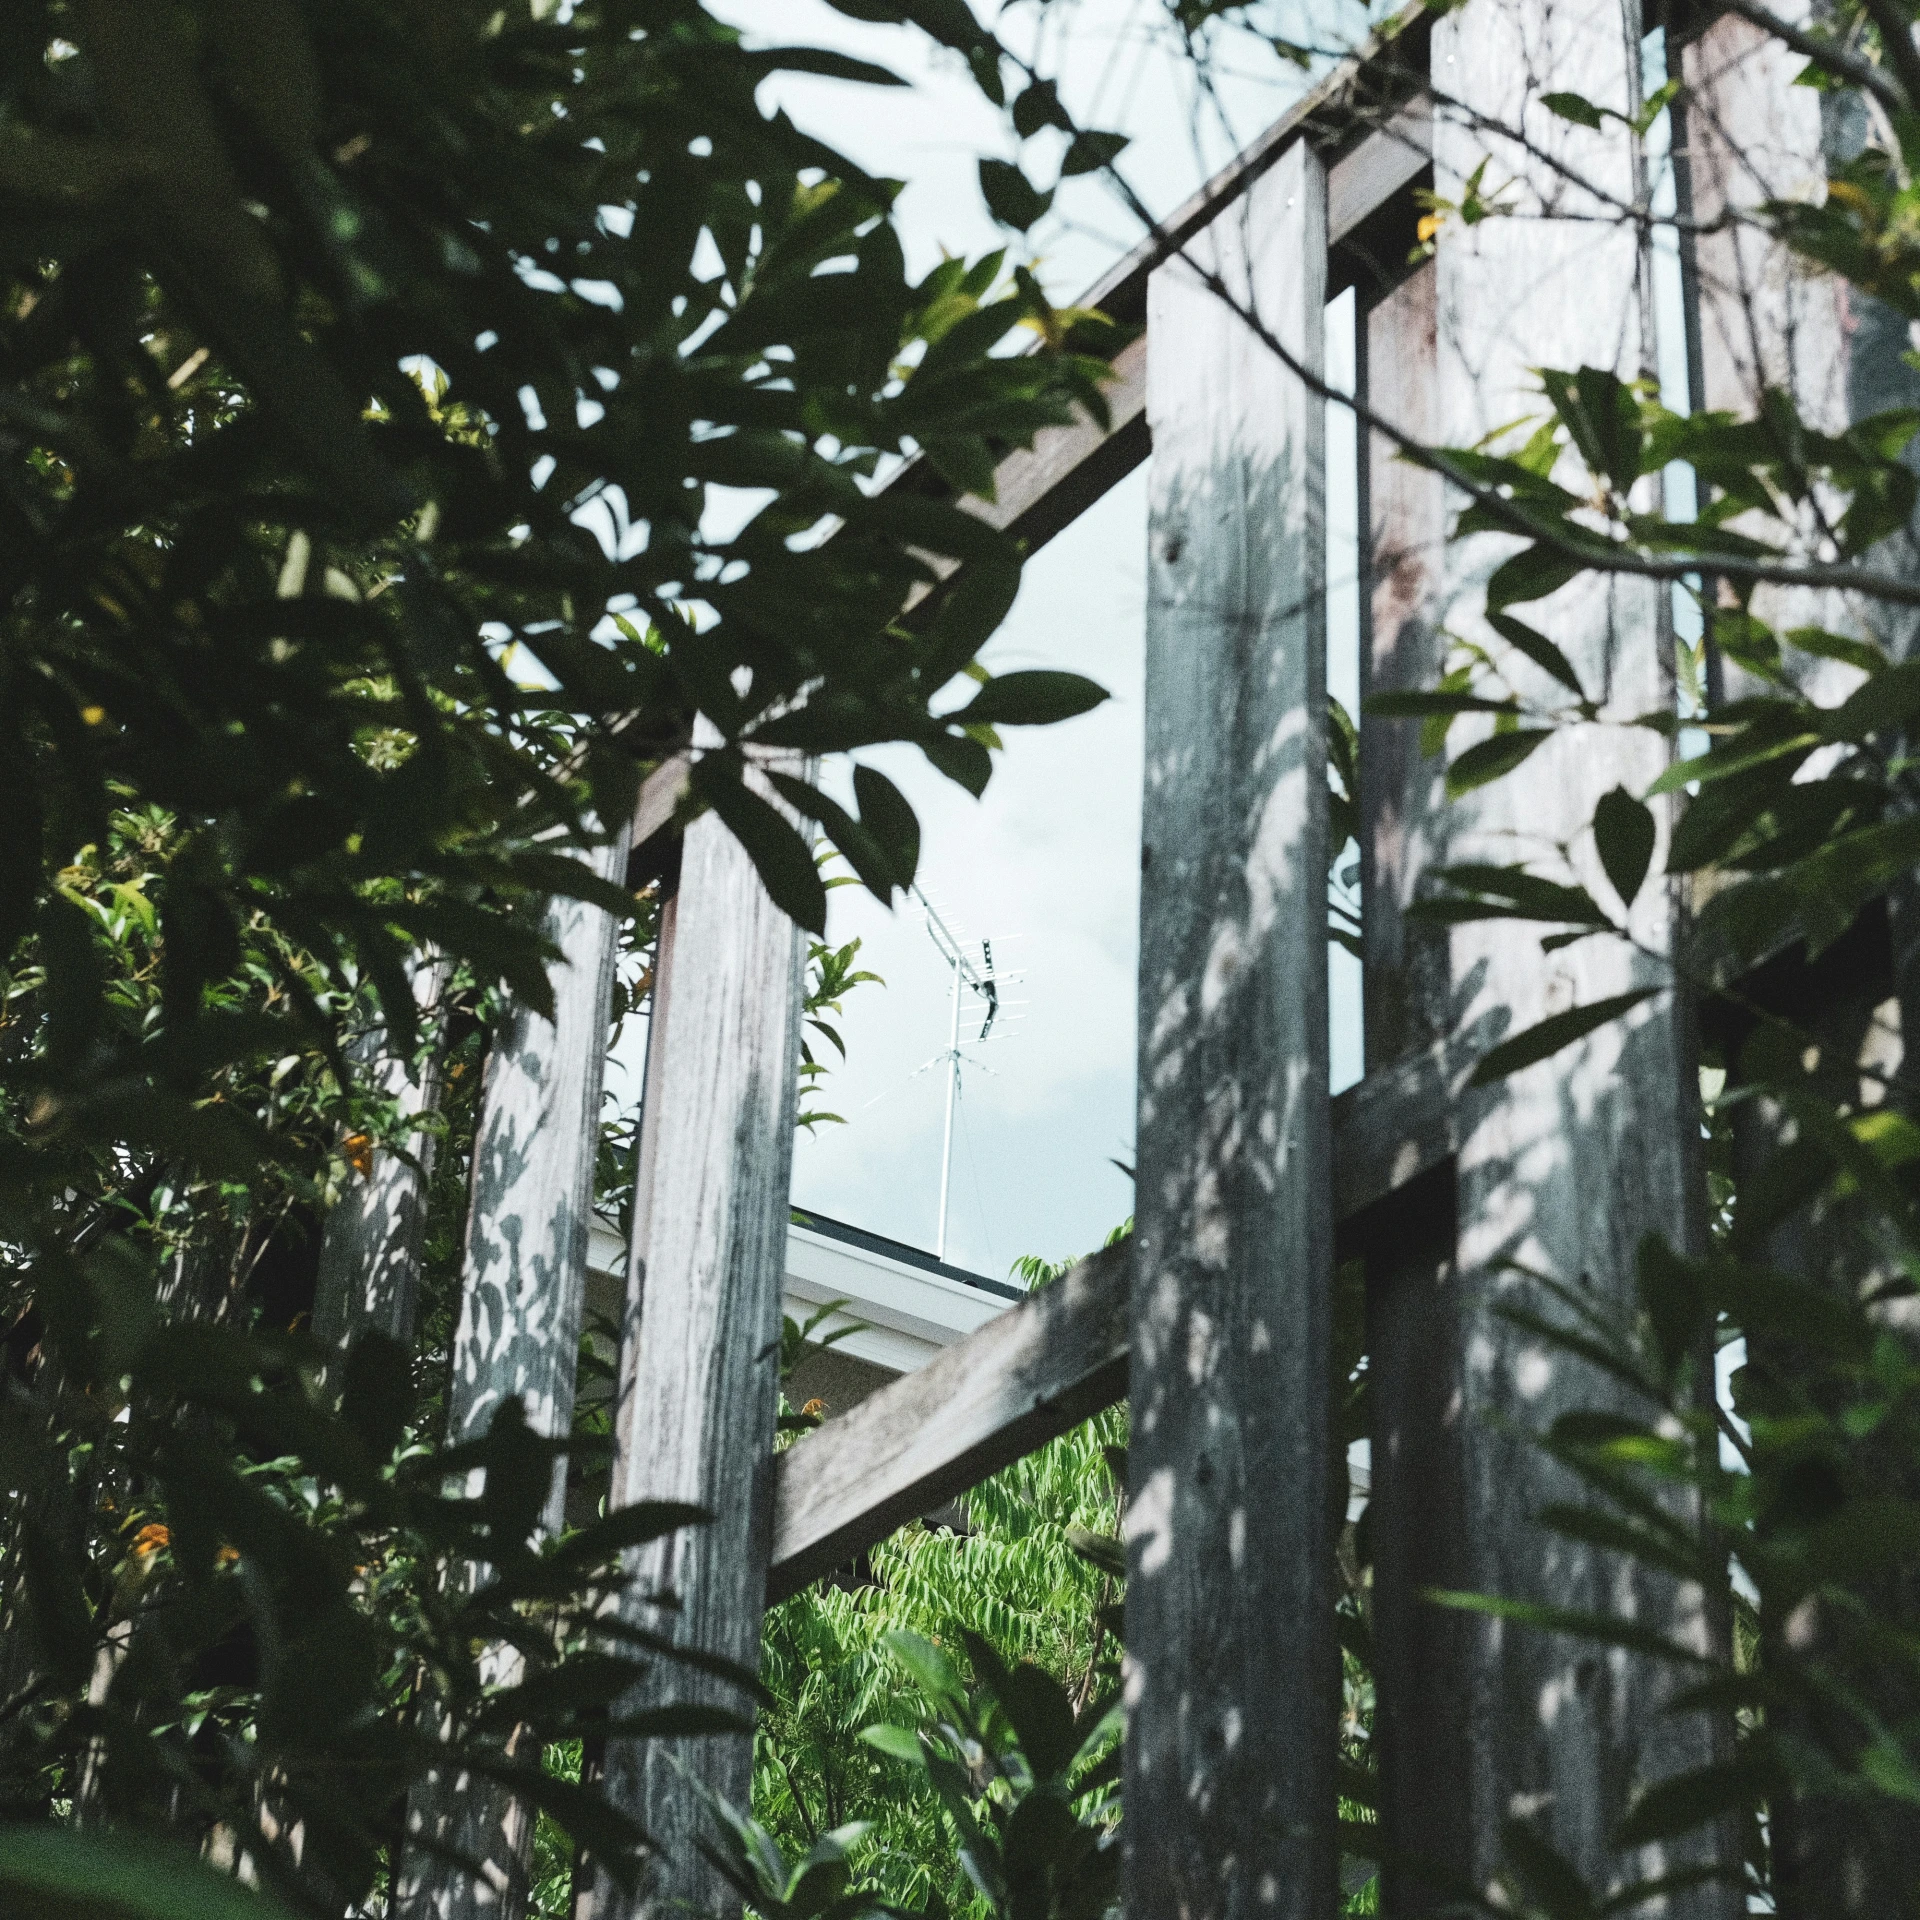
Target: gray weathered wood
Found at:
1045, 1365
1417, 1522
1393, 156
1564, 1167
700, 1361
1230, 1729
523, 1286
1029, 1374
660, 793
1038, 492
370, 1245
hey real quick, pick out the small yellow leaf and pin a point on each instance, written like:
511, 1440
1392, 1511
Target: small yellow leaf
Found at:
1430, 224
93, 715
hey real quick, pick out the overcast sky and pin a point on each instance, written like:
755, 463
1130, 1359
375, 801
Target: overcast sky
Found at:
1047, 865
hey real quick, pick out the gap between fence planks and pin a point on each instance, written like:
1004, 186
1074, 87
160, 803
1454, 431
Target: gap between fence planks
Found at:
1044, 1366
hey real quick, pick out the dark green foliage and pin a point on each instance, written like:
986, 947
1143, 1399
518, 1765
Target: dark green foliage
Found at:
1796, 1514
345, 347
415, 413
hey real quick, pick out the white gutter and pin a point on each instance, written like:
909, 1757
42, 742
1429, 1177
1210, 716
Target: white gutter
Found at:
905, 1312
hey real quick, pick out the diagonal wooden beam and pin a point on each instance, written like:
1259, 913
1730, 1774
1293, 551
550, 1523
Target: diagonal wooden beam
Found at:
1044, 1366
1039, 491
1027, 1375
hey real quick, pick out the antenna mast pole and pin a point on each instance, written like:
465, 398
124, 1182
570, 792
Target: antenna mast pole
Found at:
953, 1088
987, 985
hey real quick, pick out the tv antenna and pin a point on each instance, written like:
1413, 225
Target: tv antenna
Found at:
982, 978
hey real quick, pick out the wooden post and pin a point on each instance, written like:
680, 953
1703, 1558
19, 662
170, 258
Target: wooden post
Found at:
1231, 1665
522, 1296
699, 1362
1564, 1167
370, 1246
1417, 1507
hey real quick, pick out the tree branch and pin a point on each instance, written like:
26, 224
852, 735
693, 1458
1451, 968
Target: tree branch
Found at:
1830, 54
1896, 37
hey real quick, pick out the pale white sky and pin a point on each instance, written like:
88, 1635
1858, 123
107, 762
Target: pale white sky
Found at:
1047, 864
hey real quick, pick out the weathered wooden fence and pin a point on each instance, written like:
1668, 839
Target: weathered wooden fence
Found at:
1215, 1317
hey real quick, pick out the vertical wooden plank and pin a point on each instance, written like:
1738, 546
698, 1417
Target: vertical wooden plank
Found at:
1750, 135
700, 1349
1231, 1665
522, 1296
1417, 1519
1564, 1167
370, 1246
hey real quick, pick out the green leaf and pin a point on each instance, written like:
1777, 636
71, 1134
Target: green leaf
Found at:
937, 1675
62, 1619
1836, 646
1419, 706
64, 1873
1033, 697
1574, 107
1623, 833
886, 814
1674, 1296
1577, 1623
1688, 1800
1888, 701
1532, 574
1732, 759
1089, 152
1011, 197
1553, 1885
898, 1743
868, 858
1550, 1035
779, 855
1539, 649
1490, 759
970, 614
1488, 892
1039, 106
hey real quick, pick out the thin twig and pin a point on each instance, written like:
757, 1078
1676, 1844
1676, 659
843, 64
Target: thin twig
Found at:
1828, 53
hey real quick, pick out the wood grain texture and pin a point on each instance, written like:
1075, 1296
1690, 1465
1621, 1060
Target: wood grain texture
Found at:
1393, 156
523, 1289
660, 793
1038, 490
1564, 1167
1230, 1728
1027, 1375
700, 1360
370, 1245
1417, 1521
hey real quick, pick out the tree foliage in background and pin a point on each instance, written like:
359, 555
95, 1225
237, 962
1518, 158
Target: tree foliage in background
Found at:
414, 415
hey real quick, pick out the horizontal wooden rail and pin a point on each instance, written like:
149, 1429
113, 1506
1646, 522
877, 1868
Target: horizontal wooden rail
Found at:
1044, 1366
